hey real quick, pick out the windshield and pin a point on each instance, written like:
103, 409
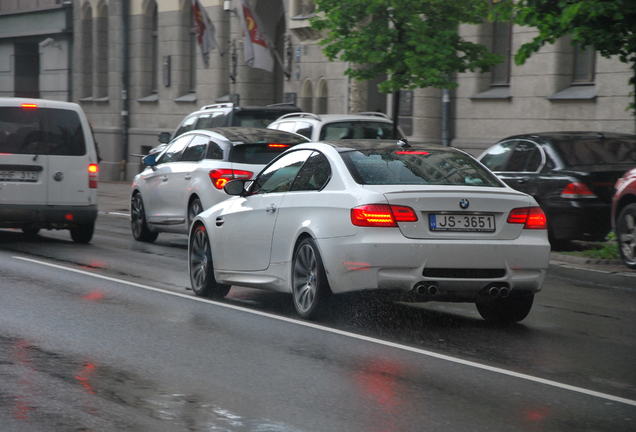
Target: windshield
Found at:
416, 167
48, 131
358, 130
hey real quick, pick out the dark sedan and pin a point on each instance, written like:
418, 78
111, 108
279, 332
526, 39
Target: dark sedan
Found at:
570, 174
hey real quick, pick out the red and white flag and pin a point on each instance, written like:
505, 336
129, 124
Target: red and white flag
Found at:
256, 49
205, 31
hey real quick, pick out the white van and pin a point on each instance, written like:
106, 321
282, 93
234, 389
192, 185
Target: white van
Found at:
48, 168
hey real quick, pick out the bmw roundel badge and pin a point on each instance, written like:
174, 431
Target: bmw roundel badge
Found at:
464, 203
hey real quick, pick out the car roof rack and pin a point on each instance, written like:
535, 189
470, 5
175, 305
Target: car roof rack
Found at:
374, 114
300, 114
218, 105
281, 104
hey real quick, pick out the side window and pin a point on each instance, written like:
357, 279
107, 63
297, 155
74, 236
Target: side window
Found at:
497, 156
187, 125
526, 157
279, 176
314, 175
211, 120
304, 129
215, 151
196, 150
174, 150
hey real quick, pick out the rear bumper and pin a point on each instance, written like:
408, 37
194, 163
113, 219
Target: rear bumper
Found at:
579, 219
43, 216
462, 270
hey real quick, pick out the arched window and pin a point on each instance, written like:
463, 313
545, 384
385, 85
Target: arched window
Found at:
320, 104
307, 96
86, 47
101, 48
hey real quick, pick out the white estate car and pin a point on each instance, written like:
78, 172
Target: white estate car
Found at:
48, 168
334, 217
367, 125
189, 174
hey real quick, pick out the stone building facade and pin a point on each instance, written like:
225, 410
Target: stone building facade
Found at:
137, 70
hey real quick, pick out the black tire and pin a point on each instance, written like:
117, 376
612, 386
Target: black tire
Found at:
506, 310
626, 235
202, 278
138, 225
310, 288
194, 208
30, 231
83, 233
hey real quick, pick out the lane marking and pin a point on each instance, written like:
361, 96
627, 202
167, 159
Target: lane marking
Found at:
114, 213
424, 352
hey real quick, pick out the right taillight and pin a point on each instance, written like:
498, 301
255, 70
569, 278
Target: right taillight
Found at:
381, 215
93, 171
530, 217
576, 190
220, 177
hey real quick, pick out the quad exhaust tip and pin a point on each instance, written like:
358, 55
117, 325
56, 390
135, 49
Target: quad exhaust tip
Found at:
498, 291
426, 288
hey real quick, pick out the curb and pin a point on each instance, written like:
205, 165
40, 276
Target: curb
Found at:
584, 272
584, 260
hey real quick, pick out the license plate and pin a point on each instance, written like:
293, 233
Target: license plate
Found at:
461, 222
19, 176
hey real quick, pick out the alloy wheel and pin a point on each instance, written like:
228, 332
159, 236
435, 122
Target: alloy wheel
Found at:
137, 215
626, 234
305, 283
194, 209
199, 260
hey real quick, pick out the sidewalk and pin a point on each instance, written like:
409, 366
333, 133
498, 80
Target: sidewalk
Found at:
115, 197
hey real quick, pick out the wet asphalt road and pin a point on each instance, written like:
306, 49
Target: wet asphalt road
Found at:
80, 353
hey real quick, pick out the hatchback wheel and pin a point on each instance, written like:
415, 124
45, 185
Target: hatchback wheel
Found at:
194, 208
626, 235
506, 310
310, 289
83, 233
202, 278
138, 225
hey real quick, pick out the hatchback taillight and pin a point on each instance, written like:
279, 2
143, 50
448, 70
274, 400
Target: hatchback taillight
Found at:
93, 170
530, 217
381, 215
577, 190
220, 177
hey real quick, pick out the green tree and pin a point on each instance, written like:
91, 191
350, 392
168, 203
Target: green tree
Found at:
607, 25
414, 42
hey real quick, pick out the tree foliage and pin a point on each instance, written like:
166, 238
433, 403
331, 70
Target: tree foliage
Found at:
414, 42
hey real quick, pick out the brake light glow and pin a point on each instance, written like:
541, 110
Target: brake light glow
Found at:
276, 145
93, 170
220, 177
29, 106
577, 190
381, 215
530, 217
411, 152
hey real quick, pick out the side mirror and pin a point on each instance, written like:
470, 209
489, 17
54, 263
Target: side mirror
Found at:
235, 187
150, 160
164, 137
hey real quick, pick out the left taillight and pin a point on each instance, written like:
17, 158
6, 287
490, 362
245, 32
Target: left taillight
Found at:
220, 177
93, 171
530, 217
381, 215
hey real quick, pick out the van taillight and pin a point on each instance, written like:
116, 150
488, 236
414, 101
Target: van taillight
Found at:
93, 170
220, 177
381, 215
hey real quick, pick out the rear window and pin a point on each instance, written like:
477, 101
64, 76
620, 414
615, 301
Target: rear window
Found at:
255, 118
357, 130
47, 131
416, 167
257, 153
260, 146
609, 151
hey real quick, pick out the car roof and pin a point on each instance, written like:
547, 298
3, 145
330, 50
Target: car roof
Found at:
572, 136
370, 144
238, 135
228, 106
331, 118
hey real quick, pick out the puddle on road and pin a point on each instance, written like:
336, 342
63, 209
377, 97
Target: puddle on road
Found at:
44, 390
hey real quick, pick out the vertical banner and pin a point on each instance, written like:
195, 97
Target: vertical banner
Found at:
205, 31
256, 50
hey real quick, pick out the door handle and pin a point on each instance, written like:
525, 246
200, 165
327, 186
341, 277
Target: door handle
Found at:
271, 208
164, 178
188, 177
219, 221
522, 180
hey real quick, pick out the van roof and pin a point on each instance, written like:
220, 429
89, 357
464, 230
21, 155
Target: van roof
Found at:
43, 103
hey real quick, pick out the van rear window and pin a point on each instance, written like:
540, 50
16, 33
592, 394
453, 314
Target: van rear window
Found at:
46, 131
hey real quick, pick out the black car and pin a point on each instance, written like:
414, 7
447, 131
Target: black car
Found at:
570, 174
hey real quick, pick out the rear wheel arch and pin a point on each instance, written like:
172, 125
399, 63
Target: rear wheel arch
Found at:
302, 236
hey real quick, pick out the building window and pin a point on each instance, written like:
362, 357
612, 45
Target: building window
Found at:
302, 9
86, 45
102, 47
584, 65
501, 45
307, 96
154, 47
321, 98
188, 41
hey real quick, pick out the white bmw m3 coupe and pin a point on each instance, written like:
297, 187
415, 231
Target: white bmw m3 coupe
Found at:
428, 222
